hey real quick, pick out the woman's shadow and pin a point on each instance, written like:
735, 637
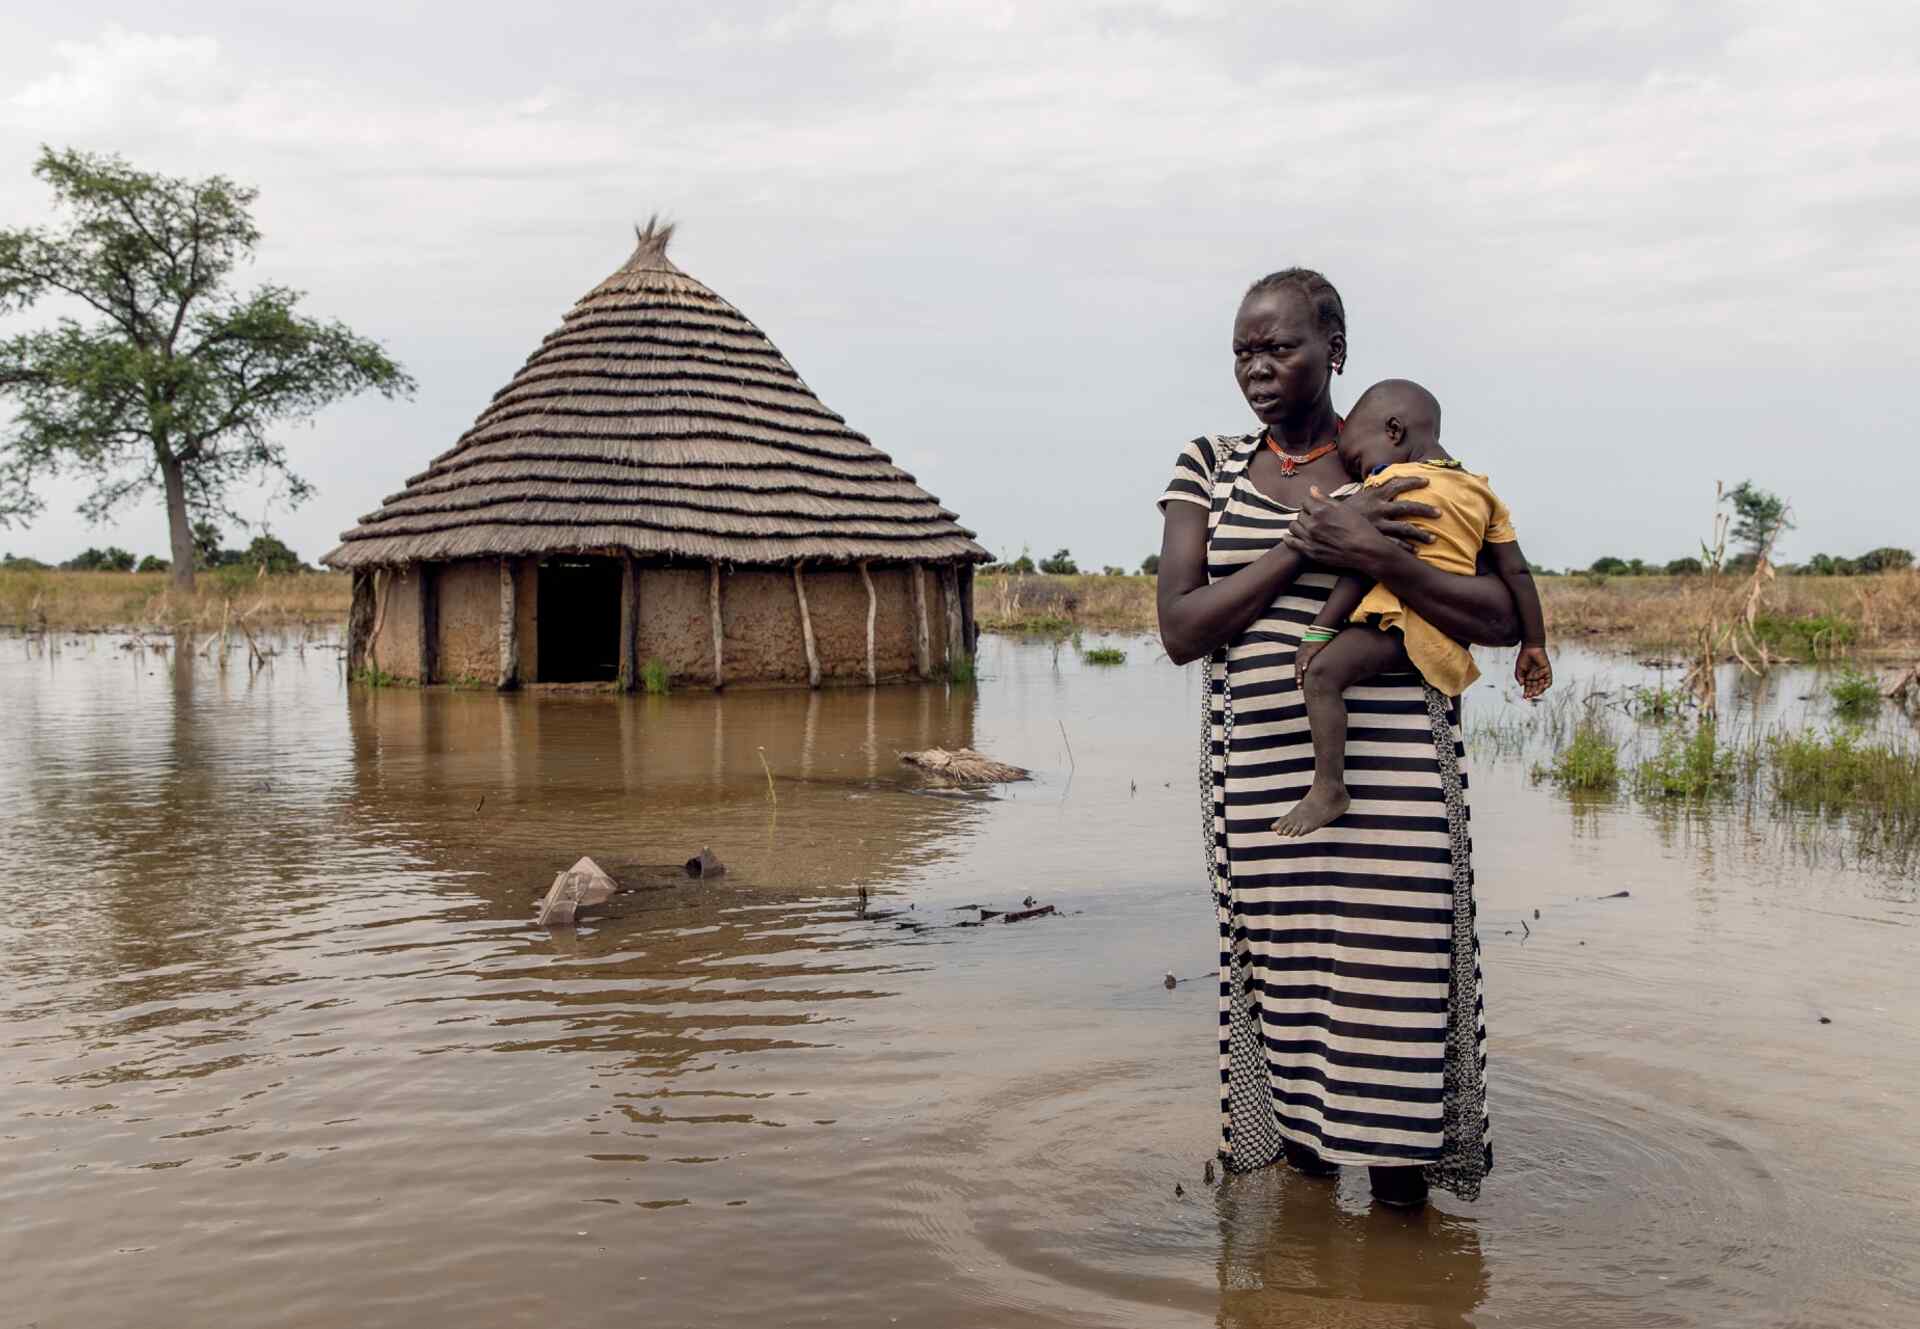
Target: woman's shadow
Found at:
1295, 1254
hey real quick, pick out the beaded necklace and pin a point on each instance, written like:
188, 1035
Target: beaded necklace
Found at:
1290, 462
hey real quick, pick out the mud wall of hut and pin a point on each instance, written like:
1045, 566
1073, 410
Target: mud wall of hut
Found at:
442, 623
469, 614
396, 644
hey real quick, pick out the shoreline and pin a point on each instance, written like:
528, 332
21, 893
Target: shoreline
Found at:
1801, 618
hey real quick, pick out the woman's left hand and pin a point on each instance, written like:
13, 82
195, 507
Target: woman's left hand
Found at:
1350, 533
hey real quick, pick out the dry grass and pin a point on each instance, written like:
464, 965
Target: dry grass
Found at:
92, 601
1801, 616
1057, 606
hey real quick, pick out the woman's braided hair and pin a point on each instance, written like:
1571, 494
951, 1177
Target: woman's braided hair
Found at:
1329, 315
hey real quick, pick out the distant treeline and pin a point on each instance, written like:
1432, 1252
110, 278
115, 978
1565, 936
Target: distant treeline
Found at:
1887, 558
264, 551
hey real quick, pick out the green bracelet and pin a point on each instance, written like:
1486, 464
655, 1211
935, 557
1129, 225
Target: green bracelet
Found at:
1317, 634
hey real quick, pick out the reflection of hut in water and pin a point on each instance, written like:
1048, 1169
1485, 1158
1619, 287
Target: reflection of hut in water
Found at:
657, 485
651, 780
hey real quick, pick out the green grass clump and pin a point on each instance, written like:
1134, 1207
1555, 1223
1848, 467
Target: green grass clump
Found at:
1687, 766
1039, 625
1855, 696
1837, 772
1588, 763
1104, 655
961, 670
1655, 704
374, 676
654, 678
1815, 635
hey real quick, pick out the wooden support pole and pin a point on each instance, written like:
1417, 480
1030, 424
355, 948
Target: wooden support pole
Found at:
922, 637
866, 577
969, 629
427, 625
359, 622
950, 592
806, 628
629, 623
381, 594
509, 628
713, 604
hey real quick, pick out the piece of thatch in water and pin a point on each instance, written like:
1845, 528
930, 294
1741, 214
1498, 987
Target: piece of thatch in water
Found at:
656, 485
580, 887
704, 864
1906, 687
963, 766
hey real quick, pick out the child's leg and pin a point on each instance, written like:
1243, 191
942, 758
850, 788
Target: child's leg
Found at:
1359, 652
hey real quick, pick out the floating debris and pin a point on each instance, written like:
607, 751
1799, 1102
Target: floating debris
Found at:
1022, 915
1170, 981
1907, 685
704, 864
963, 766
1617, 895
1206, 1174
580, 887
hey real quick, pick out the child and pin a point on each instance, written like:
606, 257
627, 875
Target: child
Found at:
1363, 629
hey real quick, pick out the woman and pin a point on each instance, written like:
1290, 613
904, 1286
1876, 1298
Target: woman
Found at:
1350, 1019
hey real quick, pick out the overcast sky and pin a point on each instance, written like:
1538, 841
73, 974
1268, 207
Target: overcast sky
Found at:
1635, 248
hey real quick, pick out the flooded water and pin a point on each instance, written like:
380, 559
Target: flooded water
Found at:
279, 1045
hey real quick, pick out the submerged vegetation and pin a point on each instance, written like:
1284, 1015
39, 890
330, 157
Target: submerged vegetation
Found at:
1855, 696
1690, 763
1588, 763
1659, 747
1104, 655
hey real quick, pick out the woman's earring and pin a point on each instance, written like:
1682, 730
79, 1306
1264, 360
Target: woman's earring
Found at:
1339, 366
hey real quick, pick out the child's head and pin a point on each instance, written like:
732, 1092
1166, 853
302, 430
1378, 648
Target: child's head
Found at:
1395, 420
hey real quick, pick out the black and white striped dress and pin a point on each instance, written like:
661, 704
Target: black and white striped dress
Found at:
1350, 1011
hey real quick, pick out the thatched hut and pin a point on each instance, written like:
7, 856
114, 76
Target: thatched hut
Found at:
658, 491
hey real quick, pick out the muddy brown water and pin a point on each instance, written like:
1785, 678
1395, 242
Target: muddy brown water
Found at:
279, 1046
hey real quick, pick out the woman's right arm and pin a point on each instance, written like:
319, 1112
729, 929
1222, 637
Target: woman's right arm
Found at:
1197, 616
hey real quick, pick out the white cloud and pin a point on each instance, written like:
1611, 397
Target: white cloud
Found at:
952, 213
118, 75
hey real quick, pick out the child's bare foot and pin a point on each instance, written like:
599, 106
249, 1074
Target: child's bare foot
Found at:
1320, 806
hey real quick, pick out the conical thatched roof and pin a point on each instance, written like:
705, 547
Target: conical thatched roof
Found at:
659, 420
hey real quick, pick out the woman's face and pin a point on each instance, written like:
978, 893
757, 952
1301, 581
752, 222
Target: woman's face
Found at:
1281, 358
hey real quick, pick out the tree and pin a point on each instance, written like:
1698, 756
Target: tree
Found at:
1061, 564
177, 382
1686, 566
1608, 566
1150, 565
111, 559
1759, 518
207, 552
269, 553
1022, 566
154, 563
1887, 558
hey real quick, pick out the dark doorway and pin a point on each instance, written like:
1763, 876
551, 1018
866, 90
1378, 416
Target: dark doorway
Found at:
579, 615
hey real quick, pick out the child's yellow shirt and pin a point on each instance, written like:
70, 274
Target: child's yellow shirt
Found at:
1470, 515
